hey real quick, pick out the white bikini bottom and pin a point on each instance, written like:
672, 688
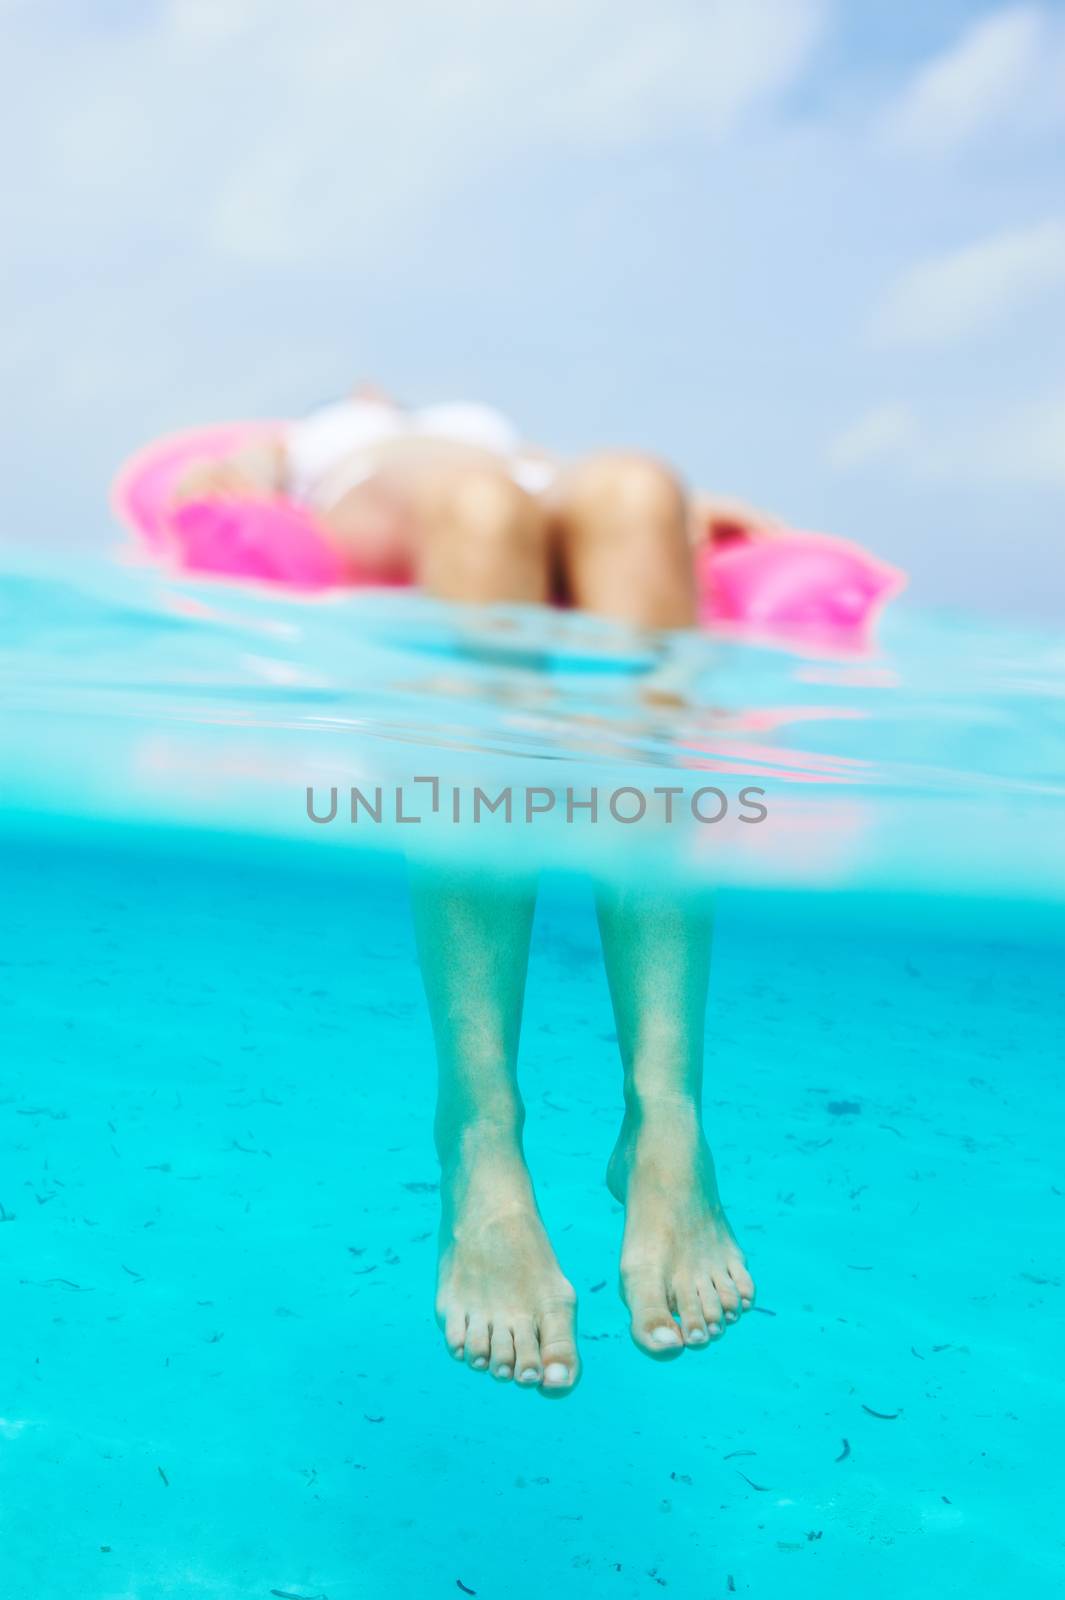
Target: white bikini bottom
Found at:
331, 451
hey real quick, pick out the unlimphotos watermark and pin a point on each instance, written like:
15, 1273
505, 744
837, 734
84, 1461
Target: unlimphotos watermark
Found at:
627, 804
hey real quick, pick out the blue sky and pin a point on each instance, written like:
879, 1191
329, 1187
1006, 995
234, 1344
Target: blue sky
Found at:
812, 251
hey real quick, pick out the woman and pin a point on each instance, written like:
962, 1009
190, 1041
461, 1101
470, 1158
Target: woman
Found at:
450, 498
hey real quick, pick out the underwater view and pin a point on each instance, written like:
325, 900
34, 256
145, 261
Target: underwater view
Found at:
532, 800
219, 1195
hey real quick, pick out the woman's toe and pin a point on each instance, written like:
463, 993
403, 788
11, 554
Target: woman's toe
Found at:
728, 1294
558, 1350
528, 1369
454, 1325
713, 1311
652, 1325
478, 1342
690, 1314
501, 1362
744, 1284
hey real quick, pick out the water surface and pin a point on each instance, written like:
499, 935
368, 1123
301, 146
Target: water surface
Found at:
220, 1373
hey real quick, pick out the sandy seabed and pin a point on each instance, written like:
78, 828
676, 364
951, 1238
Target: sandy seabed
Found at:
219, 1370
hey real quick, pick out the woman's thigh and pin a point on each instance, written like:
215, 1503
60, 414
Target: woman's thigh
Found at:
620, 524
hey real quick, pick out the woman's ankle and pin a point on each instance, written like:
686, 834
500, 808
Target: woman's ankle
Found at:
649, 1107
466, 1133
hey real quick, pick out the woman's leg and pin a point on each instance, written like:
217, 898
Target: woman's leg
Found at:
678, 1255
623, 541
481, 538
622, 526
502, 1301
449, 518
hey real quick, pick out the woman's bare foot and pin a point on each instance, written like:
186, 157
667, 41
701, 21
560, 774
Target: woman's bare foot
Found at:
683, 1276
502, 1300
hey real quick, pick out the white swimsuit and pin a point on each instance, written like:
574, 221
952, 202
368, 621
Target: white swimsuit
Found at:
331, 450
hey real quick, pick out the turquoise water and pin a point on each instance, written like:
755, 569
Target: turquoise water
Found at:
219, 1372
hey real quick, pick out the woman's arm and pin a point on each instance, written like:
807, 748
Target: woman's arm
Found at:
258, 471
718, 520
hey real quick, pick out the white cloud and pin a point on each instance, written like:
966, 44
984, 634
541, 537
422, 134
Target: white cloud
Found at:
205, 189
700, 68
616, 219
1025, 448
1006, 72
400, 107
274, 131
1016, 446
876, 435
970, 290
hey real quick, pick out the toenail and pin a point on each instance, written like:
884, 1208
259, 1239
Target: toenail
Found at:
666, 1334
480, 1363
503, 1372
529, 1375
556, 1372
730, 1316
697, 1336
715, 1329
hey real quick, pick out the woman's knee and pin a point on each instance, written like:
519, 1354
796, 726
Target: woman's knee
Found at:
485, 503
626, 485
483, 539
